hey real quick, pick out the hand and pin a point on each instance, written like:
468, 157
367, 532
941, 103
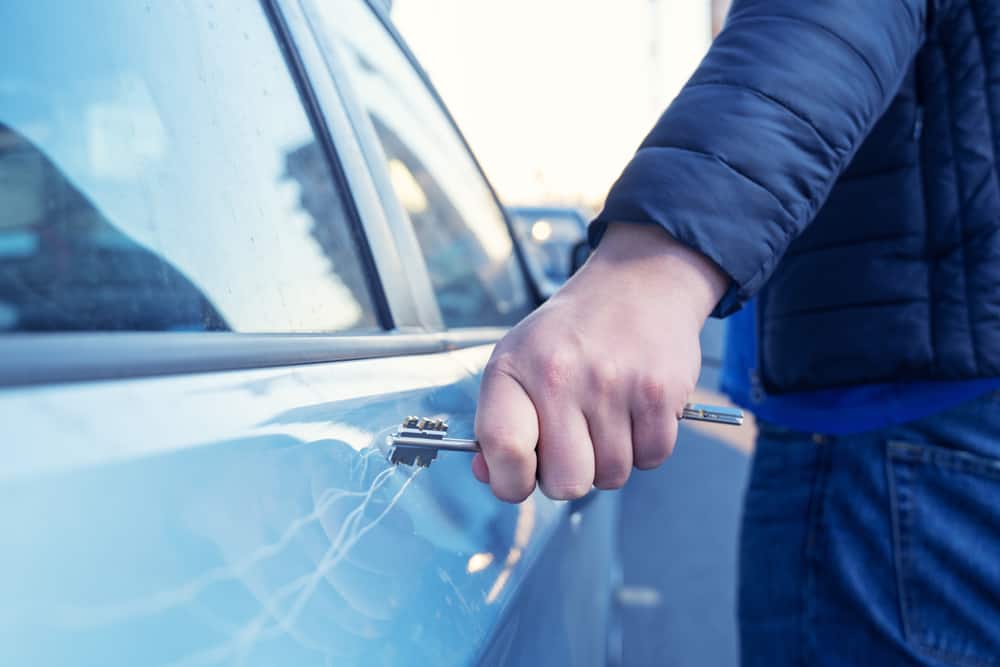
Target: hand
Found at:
594, 381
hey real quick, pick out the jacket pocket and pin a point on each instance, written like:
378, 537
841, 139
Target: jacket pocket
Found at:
946, 530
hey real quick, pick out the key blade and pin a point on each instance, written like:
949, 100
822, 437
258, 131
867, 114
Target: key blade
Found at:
713, 413
450, 444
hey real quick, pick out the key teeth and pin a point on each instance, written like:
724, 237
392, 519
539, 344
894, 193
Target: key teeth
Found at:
425, 424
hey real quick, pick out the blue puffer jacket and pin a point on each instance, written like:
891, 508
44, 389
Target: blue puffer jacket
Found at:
844, 155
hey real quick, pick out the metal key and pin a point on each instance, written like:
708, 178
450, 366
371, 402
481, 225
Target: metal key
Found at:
418, 440
716, 414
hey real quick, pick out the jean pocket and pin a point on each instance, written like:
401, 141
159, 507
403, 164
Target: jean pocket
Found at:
946, 529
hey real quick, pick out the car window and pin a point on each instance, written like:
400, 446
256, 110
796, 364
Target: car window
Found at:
158, 171
461, 229
548, 236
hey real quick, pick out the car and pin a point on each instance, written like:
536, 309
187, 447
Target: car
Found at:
549, 236
239, 244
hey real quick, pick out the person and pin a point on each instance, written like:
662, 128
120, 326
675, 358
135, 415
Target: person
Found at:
830, 168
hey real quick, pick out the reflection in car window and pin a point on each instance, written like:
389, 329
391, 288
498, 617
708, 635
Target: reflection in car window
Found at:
158, 172
458, 223
548, 236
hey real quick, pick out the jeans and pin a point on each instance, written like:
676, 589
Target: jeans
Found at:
875, 549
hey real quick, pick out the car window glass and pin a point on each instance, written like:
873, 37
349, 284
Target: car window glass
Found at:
548, 237
158, 172
461, 230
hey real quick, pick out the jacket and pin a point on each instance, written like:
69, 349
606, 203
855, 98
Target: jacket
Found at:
839, 159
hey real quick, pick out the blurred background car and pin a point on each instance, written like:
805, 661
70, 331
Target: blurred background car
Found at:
548, 235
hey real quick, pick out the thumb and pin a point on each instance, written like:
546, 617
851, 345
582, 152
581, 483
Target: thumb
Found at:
507, 430
479, 469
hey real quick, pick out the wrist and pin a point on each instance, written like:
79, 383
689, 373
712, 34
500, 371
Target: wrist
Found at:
652, 258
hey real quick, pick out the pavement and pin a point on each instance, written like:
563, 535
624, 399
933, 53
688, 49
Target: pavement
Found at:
680, 529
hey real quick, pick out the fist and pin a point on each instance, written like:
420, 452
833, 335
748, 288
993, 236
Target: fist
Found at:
593, 383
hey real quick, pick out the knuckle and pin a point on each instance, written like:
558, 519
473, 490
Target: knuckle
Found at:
651, 393
556, 370
503, 448
501, 363
604, 377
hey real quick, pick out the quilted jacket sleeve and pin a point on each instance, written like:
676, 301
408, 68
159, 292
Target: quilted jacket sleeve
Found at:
742, 160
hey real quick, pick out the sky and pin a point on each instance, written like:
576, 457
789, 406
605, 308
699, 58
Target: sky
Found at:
555, 95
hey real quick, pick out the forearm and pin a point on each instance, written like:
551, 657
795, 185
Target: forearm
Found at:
645, 258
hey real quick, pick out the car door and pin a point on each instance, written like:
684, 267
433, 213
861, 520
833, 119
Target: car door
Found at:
208, 331
453, 226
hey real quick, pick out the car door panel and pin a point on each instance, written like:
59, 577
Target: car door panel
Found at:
562, 612
251, 517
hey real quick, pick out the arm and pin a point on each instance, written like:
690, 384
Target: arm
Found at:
592, 383
743, 159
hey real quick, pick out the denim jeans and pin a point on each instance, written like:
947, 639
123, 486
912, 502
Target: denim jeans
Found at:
875, 549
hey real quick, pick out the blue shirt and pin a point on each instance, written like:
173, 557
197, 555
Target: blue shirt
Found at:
836, 411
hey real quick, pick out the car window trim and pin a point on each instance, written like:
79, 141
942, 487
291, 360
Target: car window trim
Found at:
323, 136
403, 230
56, 358
332, 111
404, 277
382, 14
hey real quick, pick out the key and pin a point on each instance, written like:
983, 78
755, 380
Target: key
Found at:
713, 413
418, 440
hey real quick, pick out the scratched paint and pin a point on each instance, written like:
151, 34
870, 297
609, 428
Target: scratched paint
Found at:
251, 518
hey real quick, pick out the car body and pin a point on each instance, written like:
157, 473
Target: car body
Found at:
239, 243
